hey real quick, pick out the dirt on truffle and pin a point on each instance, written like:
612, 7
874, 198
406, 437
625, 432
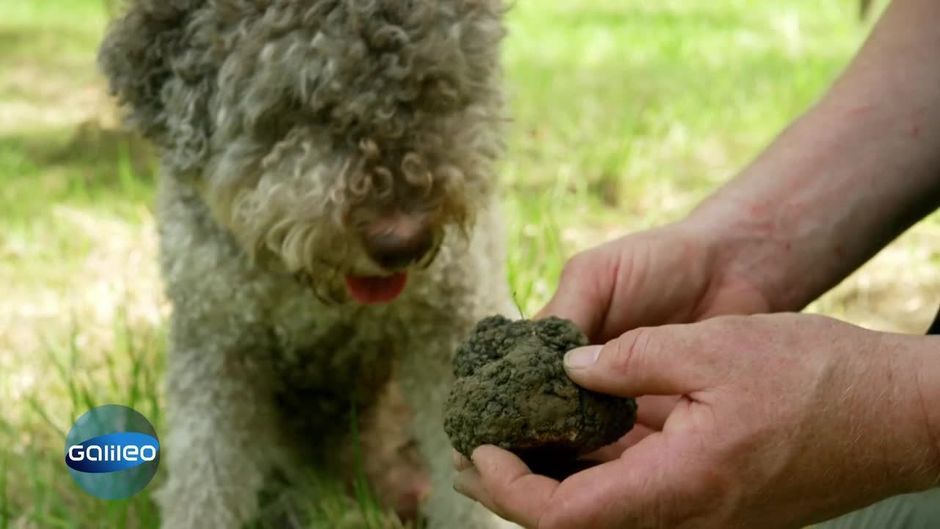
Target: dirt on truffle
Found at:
512, 391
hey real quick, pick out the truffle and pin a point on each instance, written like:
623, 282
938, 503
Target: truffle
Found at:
512, 391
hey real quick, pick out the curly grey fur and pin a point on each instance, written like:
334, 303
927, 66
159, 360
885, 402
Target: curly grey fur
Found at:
285, 126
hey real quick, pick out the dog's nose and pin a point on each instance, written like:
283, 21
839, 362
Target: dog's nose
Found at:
398, 244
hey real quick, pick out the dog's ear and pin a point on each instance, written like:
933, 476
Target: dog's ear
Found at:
158, 71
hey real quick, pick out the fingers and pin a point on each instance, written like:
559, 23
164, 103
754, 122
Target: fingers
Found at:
651, 415
469, 483
615, 450
653, 410
651, 485
584, 291
645, 361
505, 485
460, 461
647, 486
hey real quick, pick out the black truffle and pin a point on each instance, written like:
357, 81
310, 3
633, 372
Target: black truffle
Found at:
512, 391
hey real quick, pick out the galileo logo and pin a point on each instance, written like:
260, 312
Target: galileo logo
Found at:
112, 452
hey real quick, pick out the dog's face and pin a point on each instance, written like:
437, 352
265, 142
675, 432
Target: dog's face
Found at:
340, 138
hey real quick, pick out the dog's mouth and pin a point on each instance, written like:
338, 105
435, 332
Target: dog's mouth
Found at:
374, 290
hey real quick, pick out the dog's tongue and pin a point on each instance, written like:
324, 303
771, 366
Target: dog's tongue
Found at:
375, 289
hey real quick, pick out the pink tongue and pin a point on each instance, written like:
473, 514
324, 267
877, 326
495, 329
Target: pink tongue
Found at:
375, 289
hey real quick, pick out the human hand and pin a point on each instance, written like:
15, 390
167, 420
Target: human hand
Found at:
784, 420
678, 273
675, 274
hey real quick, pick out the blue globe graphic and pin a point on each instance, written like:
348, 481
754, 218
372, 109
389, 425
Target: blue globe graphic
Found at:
103, 420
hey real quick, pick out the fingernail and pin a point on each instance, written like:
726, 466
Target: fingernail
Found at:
582, 357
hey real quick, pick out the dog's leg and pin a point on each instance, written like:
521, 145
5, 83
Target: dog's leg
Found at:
424, 376
472, 285
391, 459
222, 426
221, 442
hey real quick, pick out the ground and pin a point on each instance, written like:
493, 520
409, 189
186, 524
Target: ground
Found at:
625, 113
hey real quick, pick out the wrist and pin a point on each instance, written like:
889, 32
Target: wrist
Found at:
928, 386
912, 415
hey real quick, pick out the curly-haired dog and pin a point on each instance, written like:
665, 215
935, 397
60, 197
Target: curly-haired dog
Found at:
328, 233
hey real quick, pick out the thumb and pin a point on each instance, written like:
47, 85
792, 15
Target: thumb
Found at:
644, 361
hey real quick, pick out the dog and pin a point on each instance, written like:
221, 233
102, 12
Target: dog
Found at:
329, 231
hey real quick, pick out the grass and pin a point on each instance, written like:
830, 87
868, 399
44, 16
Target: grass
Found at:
626, 113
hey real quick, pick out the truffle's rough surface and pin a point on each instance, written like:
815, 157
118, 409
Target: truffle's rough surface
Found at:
512, 391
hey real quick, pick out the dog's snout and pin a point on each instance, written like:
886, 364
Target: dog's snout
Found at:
395, 245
